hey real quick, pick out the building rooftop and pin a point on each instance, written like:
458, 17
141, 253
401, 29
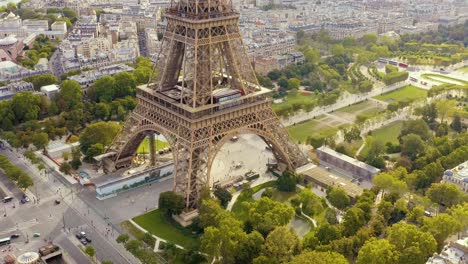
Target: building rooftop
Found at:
50, 88
460, 172
349, 159
325, 177
456, 252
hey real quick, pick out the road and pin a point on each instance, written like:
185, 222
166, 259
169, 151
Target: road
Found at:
55, 64
73, 213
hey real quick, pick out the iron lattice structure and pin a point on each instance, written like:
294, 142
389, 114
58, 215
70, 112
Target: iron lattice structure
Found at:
206, 92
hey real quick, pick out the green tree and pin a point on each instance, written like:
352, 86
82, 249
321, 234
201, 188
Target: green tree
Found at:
369, 39
389, 183
224, 241
294, 83
337, 197
441, 227
315, 257
95, 150
418, 127
281, 244
65, 168
287, 182
250, 248
76, 158
353, 219
125, 84
429, 113
445, 107
326, 233
456, 123
133, 245
412, 145
25, 106
210, 212
414, 245
122, 238
223, 195
377, 251
375, 150
90, 251
41, 80
99, 132
142, 74
40, 140
460, 213
171, 203
337, 50
283, 83
312, 56
446, 194
102, 111
265, 214
105, 89
311, 203
24, 181
416, 215
70, 95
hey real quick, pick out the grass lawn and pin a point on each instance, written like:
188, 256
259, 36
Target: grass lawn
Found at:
439, 77
388, 133
283, 197
295, 98
315, 128
144, 146
158, 225
137, 233
246, 196
358, 107
407, 93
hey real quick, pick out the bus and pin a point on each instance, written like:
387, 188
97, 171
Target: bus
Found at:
7, 199
5, 241
383, 60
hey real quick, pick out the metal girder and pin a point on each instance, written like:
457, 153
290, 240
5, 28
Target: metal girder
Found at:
202, 44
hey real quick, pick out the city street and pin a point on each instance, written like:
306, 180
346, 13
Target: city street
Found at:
72, 213
55, 64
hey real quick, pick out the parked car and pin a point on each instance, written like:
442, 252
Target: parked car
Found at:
83, 241
57, 202
81, 235
88, 239
36, 234
14, 236
25, 199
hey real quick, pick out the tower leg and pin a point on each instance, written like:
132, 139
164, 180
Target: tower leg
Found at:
152, 147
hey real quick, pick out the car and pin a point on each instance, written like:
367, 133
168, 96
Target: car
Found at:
83, 241
79, 236
57, 202
36, 234
14, 236
88, 239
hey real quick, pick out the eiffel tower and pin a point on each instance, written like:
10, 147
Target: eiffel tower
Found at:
206, 92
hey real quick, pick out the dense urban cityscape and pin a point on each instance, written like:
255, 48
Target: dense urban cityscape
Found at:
234, 131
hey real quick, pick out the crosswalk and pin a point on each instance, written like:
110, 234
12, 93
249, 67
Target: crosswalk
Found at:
19, 226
